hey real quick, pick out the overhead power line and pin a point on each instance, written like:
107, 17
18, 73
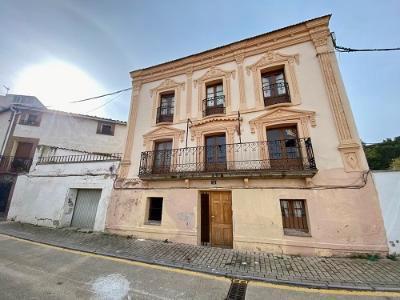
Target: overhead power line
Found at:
104, 104
346, 49
101, 96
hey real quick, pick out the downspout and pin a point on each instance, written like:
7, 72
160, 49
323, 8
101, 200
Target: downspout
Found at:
10, 129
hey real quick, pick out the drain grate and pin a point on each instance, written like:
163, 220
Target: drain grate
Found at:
237, 291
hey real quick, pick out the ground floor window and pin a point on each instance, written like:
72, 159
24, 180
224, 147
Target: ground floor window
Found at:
294, 216
155, 210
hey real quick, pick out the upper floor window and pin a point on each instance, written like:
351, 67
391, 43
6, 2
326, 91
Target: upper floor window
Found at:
162, 157
105, 128
165, 112
275, 88
30, 118
215, 99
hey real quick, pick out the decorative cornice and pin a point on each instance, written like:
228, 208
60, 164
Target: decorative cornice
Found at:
277, 39
167, 84
272, 57
212, 120
282, 114
212, 73
162, 132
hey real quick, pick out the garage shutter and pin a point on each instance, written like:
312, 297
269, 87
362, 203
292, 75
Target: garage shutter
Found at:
85, 209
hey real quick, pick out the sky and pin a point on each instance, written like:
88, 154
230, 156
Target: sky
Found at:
61, 51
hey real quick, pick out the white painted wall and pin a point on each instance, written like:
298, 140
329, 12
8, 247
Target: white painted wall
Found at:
72, 132
388, 185
41, 197
4, 121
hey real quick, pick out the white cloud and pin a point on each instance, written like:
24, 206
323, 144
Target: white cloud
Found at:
56, 83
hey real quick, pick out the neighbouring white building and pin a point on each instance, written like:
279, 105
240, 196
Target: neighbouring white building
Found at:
56, 168
388, 185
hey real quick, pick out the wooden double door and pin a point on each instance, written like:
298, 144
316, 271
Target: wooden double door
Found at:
216, 227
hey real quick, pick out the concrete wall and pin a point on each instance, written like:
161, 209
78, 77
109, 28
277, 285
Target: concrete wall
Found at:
388, 185
42, 196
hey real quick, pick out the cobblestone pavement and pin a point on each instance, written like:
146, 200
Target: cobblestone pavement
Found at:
318, 272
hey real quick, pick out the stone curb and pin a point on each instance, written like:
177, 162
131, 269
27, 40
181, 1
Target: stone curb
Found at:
298, 283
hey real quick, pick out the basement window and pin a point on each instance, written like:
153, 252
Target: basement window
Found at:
155, 210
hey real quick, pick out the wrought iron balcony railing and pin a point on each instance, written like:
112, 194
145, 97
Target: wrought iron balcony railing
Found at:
68, 159
276, 93
12, 164
214, 105
165, 114
249, 159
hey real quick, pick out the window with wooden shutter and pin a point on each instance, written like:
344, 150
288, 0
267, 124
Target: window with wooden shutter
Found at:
294, 218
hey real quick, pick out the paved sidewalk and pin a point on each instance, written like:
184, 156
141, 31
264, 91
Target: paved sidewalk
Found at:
317, 272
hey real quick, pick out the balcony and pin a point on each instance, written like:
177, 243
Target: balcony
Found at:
289, 158
276, 93
12, 164
83, 158
214, 106
165, 114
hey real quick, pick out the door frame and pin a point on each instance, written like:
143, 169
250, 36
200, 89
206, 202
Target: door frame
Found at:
209, 192
223, 165
298, 162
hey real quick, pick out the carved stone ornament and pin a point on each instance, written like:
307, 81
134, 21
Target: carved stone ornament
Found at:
273, 59
213, 125
167, 84
163, 132
284, 115
350, 156
214, 73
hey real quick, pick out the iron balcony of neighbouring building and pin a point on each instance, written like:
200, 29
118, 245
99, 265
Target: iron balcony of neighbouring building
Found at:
276, 93
289, 158
15, 165
165, 114
68, 159
214, 105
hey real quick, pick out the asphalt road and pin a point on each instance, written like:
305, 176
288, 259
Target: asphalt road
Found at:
34, 271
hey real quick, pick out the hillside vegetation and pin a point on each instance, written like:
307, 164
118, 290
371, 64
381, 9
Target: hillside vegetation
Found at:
384, 155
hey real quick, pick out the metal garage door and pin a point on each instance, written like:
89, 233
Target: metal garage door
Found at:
85, 208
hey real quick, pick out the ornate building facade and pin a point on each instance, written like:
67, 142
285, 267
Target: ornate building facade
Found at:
251, 145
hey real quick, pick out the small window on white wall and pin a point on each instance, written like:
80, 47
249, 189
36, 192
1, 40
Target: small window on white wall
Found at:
105, 128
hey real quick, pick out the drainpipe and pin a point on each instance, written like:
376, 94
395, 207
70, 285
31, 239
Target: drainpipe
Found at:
10, 129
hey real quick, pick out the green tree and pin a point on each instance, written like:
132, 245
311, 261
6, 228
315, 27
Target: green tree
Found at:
381, 155
395, 165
